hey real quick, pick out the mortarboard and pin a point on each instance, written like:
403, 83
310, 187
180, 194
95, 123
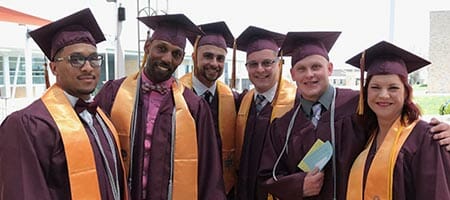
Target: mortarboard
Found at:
80, 27
299, 45
385, 58
254, 39
217, 34
173, 28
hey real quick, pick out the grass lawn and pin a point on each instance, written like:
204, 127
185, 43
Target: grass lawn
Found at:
429, 103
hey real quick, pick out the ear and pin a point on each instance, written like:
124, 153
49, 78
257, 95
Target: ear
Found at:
53, 68
330, 68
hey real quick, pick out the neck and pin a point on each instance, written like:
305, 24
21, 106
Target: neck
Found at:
383, 128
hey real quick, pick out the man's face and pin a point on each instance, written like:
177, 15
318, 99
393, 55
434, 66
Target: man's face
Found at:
210, 62
76, 79
311, 75
263, 70
164, 58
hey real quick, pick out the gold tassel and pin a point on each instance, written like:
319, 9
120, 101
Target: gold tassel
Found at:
47, 81
194, 54
233, 67
280, 77
361, 84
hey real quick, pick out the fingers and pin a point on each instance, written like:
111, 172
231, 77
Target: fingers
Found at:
434, 121
313, 183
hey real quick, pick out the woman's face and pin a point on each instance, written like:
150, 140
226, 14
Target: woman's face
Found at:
386, 96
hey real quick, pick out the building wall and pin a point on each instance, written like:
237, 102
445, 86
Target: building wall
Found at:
439, 71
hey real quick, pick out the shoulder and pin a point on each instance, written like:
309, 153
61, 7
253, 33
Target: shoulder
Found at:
31, 118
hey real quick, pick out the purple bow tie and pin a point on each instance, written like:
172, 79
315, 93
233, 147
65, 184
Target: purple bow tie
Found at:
81, 105
147, 87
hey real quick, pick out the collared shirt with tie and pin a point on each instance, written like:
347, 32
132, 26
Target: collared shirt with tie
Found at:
260, 102
152, 102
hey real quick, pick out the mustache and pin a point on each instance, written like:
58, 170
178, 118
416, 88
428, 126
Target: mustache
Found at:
161, 63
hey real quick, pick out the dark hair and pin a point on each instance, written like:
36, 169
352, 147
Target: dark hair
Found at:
410, 111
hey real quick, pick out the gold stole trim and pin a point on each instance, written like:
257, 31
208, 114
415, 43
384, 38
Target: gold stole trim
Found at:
187, 80
283, 102
380, 174
241, 122
227, 123
79, 154
186, 156
186, 153
227, 119
285, 99
121, 113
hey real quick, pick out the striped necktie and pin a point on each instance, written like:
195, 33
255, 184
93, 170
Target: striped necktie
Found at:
260, 102
316, 110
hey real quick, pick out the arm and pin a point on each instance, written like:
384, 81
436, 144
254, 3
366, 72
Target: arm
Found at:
291, 183
430, 171
22, 172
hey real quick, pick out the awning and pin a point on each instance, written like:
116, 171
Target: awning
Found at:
9, 15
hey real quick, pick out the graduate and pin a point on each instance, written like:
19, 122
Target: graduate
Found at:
209, 56
62, 146
166, 130
291, 136
401, 159
271, 97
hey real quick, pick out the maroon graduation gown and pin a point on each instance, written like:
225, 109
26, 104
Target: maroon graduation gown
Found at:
32, 158
254, 137
422, 167
210, 180
350, 140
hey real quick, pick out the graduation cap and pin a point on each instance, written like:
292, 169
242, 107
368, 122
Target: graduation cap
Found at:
173, 28
255, 39
299, 45
385, 58
80, 27
217, 34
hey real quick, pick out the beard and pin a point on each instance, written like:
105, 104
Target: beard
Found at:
159, 71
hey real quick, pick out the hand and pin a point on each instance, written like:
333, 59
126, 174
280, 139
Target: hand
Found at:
313, 183
441, 132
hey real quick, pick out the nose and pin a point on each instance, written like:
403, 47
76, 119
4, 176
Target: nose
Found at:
86, 66
309, 72
384, 93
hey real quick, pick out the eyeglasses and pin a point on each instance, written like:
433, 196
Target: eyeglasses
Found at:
78, 60
267, 63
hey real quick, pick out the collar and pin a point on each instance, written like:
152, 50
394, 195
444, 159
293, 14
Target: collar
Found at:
166, 84
73, 99
269, 94
325, 100
200, 88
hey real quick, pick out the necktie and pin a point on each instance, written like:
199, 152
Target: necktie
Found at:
316, 109
82, 105
147, 87
259, 101
207, 96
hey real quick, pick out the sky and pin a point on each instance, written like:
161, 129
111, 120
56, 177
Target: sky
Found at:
362, 22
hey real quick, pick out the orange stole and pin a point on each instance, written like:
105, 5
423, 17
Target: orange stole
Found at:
79, 154
380, 174
227, 118
121, 113
186, 156
283, 101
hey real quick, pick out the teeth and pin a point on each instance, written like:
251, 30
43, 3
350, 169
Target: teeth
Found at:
163, 68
